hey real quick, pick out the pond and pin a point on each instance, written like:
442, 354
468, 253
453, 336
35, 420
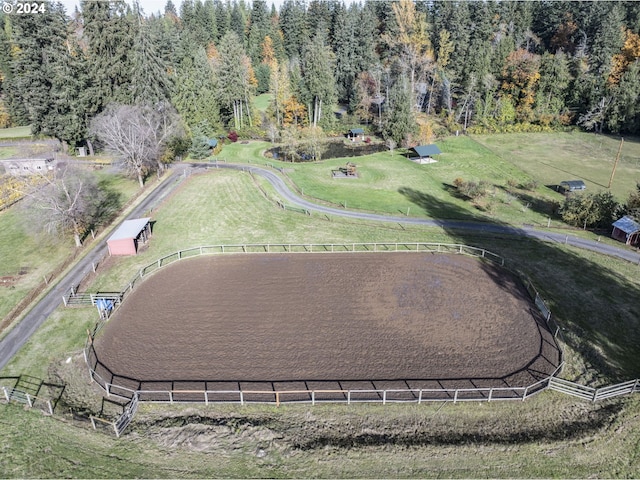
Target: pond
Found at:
332, 150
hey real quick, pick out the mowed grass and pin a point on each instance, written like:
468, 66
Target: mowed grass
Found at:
594, 299
224, 207
389, 183
554, 157
262, 102
15, 132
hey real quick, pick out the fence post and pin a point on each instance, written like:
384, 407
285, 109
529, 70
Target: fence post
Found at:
6, 395
455, 397
50, 407
93, 422
29, 401
420, 397
524, 394
348, 397
384, 397
64, 300
313, 397
115, 429
490, 394
241, 398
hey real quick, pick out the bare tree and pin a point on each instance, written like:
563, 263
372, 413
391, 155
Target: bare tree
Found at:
138, 134
68, 200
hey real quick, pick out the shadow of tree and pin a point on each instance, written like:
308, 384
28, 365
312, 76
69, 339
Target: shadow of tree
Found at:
593, 297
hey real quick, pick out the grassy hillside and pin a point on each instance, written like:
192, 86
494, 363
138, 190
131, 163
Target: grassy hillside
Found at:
593, 298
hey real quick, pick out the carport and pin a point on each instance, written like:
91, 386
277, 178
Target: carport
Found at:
128, 236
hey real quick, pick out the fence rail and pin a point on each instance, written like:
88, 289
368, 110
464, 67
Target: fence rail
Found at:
16, 395
102, 375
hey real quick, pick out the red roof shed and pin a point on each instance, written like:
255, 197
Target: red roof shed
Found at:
126, 238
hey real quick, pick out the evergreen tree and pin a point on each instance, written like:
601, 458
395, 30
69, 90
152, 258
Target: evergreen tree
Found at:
149, 81
45, 79
109, 36
236, 80
295, 30
319, 83
194, 92
259, 26
555, 79
199, 143
399, 122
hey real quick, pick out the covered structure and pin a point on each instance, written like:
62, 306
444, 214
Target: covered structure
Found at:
424, 153
128, 236
355, 133
572, 185
627, 230
212, 143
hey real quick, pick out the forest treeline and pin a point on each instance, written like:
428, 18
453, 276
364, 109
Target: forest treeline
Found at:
483, 66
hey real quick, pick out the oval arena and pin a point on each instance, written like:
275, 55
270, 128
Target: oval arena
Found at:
323, 323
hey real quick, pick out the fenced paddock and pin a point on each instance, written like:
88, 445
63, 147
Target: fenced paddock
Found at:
238, 392
478, 389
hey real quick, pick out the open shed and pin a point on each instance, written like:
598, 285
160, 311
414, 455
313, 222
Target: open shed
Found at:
355, 133
423, 153
627, 230
128, 236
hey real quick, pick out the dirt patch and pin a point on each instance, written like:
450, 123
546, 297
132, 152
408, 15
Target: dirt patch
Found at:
322, 321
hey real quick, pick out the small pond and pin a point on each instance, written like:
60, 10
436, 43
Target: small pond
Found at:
333, 150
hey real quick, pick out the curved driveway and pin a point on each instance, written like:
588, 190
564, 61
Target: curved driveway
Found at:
21, 332
290, 197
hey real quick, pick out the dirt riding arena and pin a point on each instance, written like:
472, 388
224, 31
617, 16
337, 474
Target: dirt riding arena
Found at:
327, 321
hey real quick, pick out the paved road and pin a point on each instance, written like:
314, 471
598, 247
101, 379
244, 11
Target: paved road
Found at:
545, 235
20, 333
12, 342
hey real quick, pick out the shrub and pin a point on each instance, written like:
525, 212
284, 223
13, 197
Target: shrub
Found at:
233, 136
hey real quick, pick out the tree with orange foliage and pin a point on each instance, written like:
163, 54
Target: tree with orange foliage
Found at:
520, 76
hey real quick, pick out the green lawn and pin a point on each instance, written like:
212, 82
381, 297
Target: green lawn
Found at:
593, 298
16, 132
554, 157
388, 183
261, 102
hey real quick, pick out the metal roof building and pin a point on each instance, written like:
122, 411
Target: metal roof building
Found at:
125, 240
627, 230
424, 153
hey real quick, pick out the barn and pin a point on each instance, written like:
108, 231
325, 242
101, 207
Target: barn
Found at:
627, 230
128, 236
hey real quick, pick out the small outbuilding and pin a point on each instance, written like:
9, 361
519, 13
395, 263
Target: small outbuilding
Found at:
126, 239
424, 153
355, 134
212, 143
627, 230
572, 186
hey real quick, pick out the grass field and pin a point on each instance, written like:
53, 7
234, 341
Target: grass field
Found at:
594, 299
16, 132
552, 158
388, 183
